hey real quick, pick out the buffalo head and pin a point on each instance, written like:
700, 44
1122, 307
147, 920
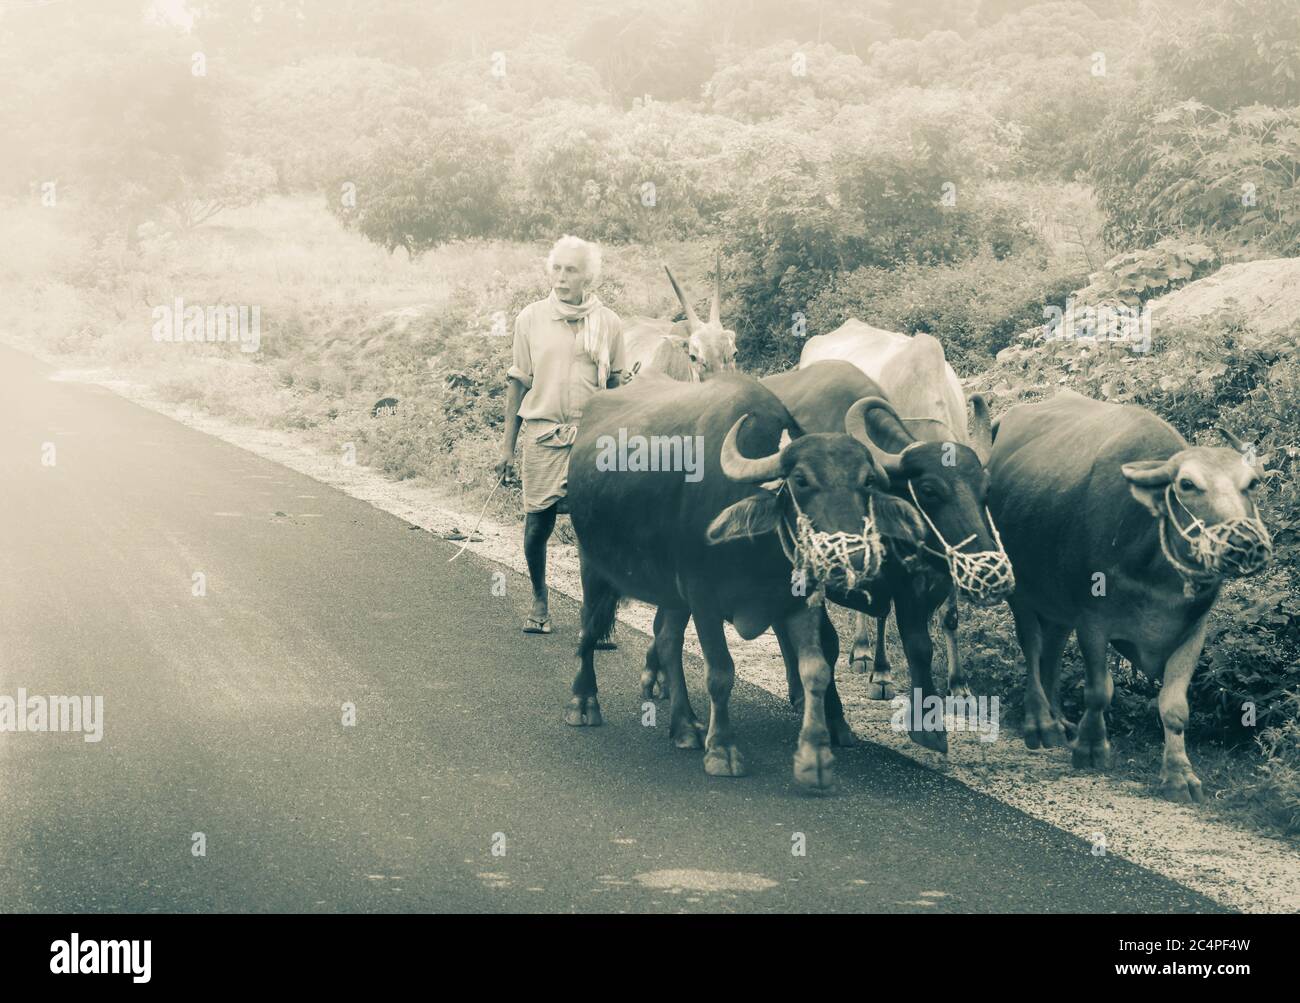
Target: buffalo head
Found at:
824, 492
948, 485
1203, 497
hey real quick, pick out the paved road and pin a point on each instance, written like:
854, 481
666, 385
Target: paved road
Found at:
223, 716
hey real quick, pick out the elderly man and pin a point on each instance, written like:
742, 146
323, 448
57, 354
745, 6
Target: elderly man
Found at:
567, 347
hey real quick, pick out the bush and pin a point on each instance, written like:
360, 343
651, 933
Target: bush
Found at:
975, 308
1133, 278
811, 210
445, 183
1277, 791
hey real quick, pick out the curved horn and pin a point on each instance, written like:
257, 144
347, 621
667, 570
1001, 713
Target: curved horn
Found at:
692, 318
1232, 440
715, 307
981, 432
888, 465
742, 468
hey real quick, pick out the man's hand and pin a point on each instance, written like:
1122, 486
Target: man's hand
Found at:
505, 468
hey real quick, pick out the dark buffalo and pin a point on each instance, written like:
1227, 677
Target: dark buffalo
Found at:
918, 381
716, 548
947, 485
1122, 533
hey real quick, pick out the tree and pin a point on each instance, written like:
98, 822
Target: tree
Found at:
1208, 142
418, 191
242, 181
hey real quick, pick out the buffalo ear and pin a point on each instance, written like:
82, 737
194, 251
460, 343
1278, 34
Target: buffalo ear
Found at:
749, 517
1146, 482
897, 519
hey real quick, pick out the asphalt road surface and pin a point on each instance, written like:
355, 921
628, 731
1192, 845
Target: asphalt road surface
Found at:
223, 715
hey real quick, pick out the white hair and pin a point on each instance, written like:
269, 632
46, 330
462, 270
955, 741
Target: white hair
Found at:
590, 252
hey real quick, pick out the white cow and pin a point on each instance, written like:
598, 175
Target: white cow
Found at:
688, 350
915, 376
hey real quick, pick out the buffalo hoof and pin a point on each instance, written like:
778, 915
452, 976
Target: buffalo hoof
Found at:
960, 690
935, 741
1090, 755
1049, 734
860, 665
689, 735
841, 734
583, 712
654, 685
813, 767
724, 761
880, 689
1181, 784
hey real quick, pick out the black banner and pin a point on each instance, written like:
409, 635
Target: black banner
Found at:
335, 952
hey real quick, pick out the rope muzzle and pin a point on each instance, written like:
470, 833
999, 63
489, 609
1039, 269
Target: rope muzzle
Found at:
984, 577
830, 558
1235, 547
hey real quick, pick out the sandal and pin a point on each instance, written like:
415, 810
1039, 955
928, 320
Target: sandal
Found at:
536, 626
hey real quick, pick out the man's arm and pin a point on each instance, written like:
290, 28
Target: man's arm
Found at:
514, 397
519, 378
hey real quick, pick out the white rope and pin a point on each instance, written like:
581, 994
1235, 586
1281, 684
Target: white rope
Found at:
984, 575
470, 538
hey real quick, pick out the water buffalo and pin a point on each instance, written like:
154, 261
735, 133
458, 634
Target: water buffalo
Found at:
1122, 533
946, 484
725, 546
921, 385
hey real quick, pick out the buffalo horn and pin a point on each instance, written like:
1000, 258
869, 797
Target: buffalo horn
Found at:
888, 465
1232, 440
742, 468
692, 318
715, 307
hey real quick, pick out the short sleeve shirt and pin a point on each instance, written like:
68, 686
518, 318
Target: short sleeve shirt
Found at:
551, 363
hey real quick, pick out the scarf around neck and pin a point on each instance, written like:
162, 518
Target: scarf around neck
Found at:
595, 339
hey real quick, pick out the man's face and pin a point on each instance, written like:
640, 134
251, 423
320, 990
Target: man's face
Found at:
569, 276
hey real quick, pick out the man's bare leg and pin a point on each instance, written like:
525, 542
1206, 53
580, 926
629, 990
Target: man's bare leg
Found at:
538, 527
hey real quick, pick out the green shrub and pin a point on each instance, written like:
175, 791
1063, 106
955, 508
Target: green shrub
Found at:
975, 308
1133, 278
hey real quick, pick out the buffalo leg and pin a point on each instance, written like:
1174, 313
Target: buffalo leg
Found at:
912, 615
812, 758
880, 684
958, 684
1029, 633
670, 629
841, 733
721, 757
1055, 637
1178, 782
1091, 747
599, 605
1042, 730
858, 654
654, 680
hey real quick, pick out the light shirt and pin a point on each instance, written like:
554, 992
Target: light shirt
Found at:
549, 360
